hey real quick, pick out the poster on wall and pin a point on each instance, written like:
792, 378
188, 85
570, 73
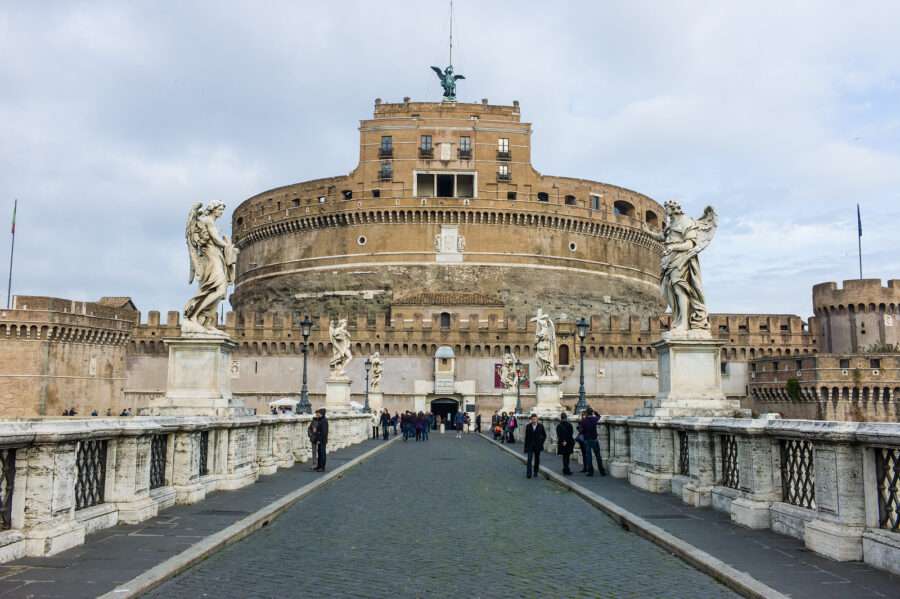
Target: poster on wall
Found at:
498, 379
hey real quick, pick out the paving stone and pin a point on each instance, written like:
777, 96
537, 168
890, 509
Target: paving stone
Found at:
446, 518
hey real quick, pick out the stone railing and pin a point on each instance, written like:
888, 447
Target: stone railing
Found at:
834, 485
63, 479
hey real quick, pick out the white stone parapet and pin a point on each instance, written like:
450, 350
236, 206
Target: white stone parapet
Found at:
77, 476
827, 483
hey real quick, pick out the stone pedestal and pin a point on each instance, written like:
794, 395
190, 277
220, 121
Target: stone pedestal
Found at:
376, 401
690, 379
548, 393
199, 380
337, 395
508, 404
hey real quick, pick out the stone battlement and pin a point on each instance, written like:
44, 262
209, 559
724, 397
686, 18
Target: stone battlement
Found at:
859, 295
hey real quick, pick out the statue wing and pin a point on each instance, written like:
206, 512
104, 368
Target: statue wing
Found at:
439, 72
706, 229
190, 236
458, 77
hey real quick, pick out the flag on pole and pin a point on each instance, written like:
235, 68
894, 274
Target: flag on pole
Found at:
858, 220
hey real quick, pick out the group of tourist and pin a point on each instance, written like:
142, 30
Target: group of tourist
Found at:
318, 438
417, 425
587, 440
503, 427
74, 412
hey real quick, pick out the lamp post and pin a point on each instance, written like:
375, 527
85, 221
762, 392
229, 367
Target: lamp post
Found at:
582, 326
304, 407
368, 365
518, 386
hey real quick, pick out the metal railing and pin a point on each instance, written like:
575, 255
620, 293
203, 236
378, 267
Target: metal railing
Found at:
204, 453
7, 483
158, 447
426, 152
90, 482
386, 152
503, 177
503, 155
731, 475
684, 456
465, 154
887, 479
798, 473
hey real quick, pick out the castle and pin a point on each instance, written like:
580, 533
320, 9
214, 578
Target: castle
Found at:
446, 236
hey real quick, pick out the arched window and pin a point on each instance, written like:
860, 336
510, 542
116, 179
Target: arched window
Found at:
543, 197
445, 320
563, 355
651, 218
570, 200
623, 208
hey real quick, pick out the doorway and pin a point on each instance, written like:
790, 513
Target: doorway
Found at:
444, 410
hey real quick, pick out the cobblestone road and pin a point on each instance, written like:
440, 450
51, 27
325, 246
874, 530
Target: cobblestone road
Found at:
447, 518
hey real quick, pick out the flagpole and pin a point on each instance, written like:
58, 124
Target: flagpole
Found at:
859, 238
12, 250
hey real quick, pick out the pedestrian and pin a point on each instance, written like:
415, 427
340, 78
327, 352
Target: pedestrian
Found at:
441, 424
426, 425
322, 440
376, 420
565, 444
419, 425
478, 423
535, 436
511, 425
394, 420
591, 443
460, 421
312, 431
385, 423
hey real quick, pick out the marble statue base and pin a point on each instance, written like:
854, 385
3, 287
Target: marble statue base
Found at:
376, 401
337, 394
508, 404
690, 379
548, 397
198, 380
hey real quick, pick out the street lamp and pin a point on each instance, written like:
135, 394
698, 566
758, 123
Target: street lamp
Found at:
518, 386
304, 407
582, 325
368, 365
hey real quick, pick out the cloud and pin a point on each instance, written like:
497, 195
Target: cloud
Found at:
115, 117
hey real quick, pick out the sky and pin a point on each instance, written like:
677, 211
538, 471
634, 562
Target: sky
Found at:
116, 116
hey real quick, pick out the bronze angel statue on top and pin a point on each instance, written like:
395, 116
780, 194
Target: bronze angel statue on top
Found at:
448, 82
213, 259
683, 239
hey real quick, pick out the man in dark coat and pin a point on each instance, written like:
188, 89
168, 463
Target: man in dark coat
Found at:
385, 423
322, 438
534, 444
591, 442
565, 441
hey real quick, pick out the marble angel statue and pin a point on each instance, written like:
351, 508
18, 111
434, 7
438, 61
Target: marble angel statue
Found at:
683, 239
213, 259
508, 375
545, 344
340, 347
377, 371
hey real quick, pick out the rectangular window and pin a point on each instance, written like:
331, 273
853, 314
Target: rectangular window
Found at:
465, 147
465, 186
845, 364
503, 172
387, 170
445, 186
425, 185
425, 143
764, 328
875, 363
503, 145
595, 202
387, 146
570, 200
376, 193
510, 195
799, 364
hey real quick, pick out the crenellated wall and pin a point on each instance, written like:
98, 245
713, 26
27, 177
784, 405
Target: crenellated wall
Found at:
861, 316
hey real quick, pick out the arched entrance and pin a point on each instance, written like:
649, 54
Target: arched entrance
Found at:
445, 408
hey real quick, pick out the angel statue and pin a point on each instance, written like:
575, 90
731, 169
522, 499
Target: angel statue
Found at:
377, 371
683, 239
508, 375
213, 259
340, 347
448, 82
545, 344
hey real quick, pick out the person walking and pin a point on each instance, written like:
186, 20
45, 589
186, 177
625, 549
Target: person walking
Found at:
312, 431
565, 443
385, 423
426, 425
394, 421
535, 436
376, 421
322, 441
511, 425
460, 421
477, 423
591, 443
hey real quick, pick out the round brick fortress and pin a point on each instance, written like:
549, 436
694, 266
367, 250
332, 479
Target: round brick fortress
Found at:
445, 199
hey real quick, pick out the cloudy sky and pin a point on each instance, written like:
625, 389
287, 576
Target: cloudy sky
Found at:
115, 116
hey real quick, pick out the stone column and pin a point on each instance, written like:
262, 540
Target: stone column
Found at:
337, 395
547, 394
265, 445
283, 441
756, 466
620, 458
49, 521
240, 464
701, 447
652, 454
186, 467
376, 402
130, 491
508, 402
